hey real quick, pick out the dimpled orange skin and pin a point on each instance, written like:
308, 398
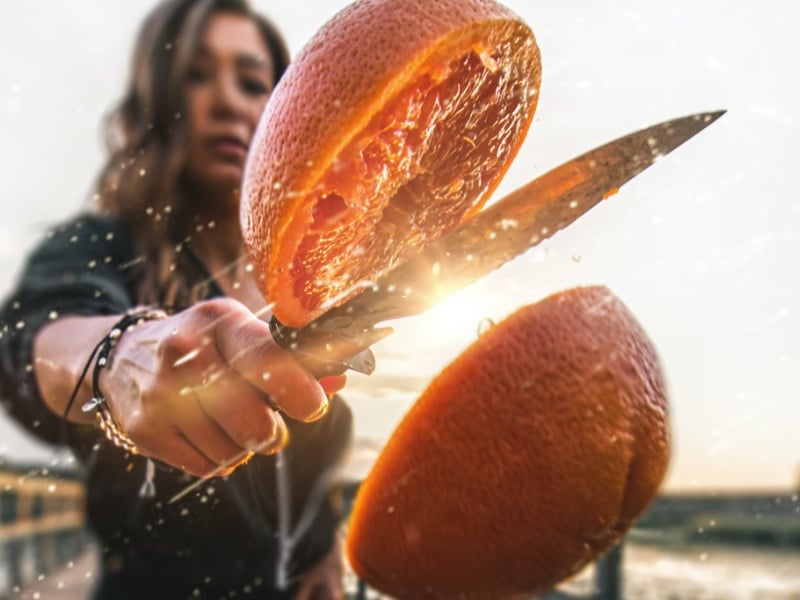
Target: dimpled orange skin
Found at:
353, 69
523, 461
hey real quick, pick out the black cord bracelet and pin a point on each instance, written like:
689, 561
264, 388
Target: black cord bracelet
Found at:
99, 358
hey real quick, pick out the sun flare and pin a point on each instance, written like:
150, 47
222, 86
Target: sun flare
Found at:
457, 319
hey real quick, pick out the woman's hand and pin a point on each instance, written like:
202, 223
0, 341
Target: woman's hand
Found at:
194, 390
325, 580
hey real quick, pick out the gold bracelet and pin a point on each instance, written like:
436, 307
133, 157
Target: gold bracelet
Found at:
113, 432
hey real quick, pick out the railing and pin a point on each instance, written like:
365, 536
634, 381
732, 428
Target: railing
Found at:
607, 579
607, 583
42, 525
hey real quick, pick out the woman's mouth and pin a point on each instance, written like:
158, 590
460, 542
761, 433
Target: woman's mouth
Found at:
228, 146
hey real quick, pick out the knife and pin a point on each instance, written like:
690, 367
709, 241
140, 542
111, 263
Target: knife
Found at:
340, 338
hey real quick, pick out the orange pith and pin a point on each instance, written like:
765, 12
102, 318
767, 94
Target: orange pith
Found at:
390, 155
524, 460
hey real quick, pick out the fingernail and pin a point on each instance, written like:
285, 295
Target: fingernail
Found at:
278, 439
333, 383
271, 402
321, 410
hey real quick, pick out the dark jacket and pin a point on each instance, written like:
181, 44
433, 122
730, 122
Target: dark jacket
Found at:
220, 538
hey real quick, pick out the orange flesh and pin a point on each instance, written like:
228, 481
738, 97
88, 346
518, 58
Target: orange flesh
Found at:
610, 193
429, 157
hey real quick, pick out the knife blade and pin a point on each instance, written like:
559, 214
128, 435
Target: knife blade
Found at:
340, 338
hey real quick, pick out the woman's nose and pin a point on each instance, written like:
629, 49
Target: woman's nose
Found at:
227, 100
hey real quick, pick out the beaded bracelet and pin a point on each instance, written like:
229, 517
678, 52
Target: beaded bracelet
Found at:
105, 420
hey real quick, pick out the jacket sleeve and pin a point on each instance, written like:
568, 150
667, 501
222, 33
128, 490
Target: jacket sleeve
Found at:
80, 268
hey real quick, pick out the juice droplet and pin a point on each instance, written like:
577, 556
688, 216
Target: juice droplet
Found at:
484, 325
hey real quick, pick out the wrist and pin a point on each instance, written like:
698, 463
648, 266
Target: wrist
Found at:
95, 366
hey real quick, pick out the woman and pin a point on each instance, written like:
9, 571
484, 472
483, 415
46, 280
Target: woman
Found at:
189, 376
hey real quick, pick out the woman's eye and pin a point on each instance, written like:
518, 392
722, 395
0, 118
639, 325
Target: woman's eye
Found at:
253, 87
197, 75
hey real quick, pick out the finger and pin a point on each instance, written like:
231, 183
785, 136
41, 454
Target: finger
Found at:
333, 383
207, 436
326, 578
292, 388
244, 343
242, 413
176, 451
322, 587
307, 588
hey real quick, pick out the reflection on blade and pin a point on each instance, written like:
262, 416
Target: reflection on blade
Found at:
506, 229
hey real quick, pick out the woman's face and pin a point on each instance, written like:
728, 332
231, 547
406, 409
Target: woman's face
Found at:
229, 79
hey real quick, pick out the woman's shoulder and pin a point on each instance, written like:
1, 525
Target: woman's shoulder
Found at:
87, 234
89, 227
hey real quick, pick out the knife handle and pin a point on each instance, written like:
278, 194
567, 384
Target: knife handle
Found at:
293, 340
324, 352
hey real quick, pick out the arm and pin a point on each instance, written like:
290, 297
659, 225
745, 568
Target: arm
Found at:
190, 390
77, 270
60, 351
73, 289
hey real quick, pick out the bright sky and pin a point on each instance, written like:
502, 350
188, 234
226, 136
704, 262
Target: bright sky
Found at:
701, 247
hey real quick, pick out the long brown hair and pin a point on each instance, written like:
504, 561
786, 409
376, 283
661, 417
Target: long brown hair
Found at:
146, 138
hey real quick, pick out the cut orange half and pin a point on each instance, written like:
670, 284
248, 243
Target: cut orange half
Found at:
524, 460
394, 124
